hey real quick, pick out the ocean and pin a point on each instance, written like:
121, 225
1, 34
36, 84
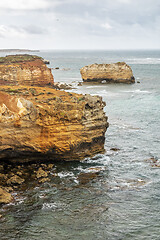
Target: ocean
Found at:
123, 201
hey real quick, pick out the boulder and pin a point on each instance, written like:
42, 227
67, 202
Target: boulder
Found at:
24, 70
61, 85
118, 72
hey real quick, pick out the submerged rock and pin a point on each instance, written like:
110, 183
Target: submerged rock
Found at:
118, 72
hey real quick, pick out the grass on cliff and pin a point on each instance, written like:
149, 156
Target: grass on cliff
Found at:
18, 58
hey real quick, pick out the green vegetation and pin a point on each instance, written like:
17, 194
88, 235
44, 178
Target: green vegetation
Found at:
81, 99
18, 58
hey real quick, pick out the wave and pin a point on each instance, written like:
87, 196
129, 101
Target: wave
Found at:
143, 60
136, 91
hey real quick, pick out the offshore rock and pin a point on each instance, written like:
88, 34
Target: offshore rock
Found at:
44, 123
62, 86
24, 70
118, 72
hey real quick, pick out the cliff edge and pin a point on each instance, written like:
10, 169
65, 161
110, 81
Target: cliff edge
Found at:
46, 123
24, 70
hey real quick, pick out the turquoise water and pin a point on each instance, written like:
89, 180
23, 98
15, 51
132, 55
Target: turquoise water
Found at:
123, 201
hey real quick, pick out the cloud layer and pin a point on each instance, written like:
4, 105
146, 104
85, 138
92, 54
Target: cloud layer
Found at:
80, 24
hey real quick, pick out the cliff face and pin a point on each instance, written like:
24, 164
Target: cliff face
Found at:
24, 70
43, 122
113, 73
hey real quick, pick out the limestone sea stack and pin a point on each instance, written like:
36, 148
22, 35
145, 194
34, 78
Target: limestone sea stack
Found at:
24, 70
118, 72
41, 123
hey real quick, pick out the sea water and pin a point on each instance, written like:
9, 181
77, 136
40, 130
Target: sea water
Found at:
123, 201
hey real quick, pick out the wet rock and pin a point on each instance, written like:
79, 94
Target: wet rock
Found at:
42, 180
1, 168
3, 176
15, 180
50, 166
5, 197
8, 189
46, 61
114, 149
85, 178
96, 169
41, 173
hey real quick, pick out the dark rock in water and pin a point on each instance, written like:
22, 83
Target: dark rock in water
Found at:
118, 72
46, 61
138, 81
114, 149
85, 178
56, 68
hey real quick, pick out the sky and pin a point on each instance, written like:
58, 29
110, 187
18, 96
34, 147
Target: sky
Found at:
80, 24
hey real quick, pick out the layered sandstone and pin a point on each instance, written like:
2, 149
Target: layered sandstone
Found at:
118, 72
46, 123
24, 70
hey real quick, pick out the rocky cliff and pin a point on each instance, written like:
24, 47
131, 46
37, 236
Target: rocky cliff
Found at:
24, 70
46, 123
112, 73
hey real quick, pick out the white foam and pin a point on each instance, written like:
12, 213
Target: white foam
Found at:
53, 206
94, 87
65, 174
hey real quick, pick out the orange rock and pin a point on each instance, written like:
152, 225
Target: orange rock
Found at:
118, 72
24, 70
5, 197
51, 125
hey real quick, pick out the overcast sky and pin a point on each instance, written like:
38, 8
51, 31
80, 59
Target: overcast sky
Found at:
80, 24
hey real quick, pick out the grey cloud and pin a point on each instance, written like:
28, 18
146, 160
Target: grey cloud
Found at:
92, 19
32, 29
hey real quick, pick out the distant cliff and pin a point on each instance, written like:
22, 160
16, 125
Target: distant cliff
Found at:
111, 73
24, 70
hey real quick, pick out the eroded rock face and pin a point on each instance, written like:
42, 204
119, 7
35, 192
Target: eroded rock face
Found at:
43, 122
111, 73
24, 70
